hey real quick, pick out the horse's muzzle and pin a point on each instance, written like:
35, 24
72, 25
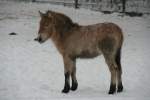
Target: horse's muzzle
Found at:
38, 39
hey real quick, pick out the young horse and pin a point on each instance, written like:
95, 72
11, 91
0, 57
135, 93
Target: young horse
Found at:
75, 41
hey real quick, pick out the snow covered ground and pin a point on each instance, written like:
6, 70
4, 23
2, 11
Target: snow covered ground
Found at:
30, 71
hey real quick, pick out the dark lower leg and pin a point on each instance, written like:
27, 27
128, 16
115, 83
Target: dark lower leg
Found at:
119, 71
67, 83
112, 89
74, 80
74, 83
120, 86
113, 82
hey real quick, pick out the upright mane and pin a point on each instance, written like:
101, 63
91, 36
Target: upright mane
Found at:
63, 24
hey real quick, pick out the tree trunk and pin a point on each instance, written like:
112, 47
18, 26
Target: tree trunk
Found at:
111, 3
123, 6
76, 4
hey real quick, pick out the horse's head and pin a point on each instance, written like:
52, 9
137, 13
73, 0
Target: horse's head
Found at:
45, 27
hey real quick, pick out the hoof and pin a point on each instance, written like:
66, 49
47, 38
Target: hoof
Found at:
120, 88
74, 86
65, 90
112, 89
111, 92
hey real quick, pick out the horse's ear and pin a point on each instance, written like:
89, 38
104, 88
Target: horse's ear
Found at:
41, 14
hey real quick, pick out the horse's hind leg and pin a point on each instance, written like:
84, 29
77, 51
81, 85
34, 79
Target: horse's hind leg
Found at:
113, 70
114, 64
119, 71
107, 47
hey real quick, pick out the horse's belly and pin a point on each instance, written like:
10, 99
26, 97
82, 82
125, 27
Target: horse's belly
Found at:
88, 53
83, 48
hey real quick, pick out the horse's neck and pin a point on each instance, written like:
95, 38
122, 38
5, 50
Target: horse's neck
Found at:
57, 40
60, 36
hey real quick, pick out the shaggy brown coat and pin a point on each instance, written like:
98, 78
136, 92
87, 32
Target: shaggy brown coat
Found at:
76, 41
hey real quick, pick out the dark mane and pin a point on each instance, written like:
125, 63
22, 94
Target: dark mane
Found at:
63, 24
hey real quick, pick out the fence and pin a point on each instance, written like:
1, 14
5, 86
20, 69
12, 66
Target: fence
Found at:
139, 6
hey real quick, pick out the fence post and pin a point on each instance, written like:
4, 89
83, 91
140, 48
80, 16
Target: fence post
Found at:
123, 6
111, 3
76, 4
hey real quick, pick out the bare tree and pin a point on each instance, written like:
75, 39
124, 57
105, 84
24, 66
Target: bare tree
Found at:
123, 6
111, 3
76, 4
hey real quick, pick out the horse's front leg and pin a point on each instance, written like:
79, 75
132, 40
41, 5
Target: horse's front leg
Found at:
73, 76
69, 69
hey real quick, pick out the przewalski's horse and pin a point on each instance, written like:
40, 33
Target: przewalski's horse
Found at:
75, 41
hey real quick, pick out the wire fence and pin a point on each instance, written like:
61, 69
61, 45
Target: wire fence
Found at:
138, 6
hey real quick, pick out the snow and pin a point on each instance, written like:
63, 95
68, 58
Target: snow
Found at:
31, 71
